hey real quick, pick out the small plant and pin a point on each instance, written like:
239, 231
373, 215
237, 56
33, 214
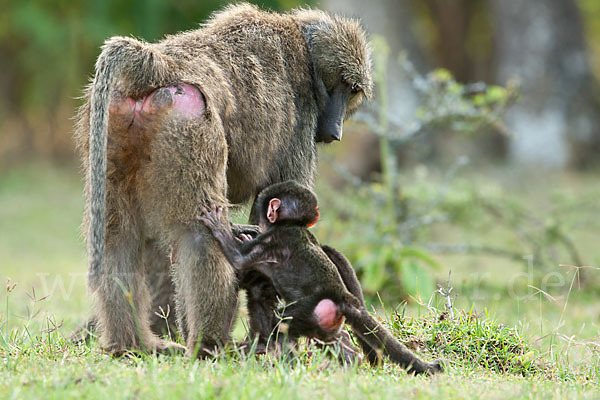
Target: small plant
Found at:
468, 340
400, 211
388, 255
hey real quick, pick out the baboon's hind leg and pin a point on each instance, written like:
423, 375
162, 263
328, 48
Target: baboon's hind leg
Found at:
186, 169
162, 293
206, 284
162, 290
122, 299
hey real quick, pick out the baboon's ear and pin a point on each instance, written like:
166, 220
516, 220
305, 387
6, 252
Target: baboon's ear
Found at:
272, 211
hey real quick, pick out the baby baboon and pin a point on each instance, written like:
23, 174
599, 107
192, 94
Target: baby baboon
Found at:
207, 116
319, 294
262, 303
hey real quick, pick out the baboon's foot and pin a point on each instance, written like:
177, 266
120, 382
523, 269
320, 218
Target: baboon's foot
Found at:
347, 353
183, 99
168, 348
435, 367
204, 350
246, 347
153, 345
342, 349
272, 348
426, 368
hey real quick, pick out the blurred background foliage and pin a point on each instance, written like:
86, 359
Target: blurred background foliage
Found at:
485, 114
47, 54
48, 48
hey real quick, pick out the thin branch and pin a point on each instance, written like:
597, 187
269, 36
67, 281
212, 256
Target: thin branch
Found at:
442, 248
446, 294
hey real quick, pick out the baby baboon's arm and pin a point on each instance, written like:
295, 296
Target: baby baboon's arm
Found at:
242, 255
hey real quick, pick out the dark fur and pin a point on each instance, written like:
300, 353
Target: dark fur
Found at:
267, 81
303, 275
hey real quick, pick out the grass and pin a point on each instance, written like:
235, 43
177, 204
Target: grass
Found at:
496, 345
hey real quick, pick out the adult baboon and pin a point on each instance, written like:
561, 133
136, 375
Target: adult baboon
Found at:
202, 117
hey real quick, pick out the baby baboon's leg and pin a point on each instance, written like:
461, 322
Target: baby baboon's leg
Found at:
262, 303
367, 327
351, 282
206, 291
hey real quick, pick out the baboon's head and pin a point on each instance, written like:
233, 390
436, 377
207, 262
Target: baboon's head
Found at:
287, 203
341, 59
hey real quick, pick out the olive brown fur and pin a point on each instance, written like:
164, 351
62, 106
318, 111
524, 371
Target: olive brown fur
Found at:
208, 116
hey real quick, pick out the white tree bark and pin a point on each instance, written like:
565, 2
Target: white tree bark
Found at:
540, 42
391, 19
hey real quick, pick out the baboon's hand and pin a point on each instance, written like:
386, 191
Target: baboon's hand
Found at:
221, 231
245, 237
212, 218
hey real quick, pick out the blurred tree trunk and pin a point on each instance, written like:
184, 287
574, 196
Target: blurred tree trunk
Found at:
463, 43
395, 20
463, 40
557, 121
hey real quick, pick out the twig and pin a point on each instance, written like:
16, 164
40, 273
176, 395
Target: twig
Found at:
446, 294
471, 249
449, 177
422, 220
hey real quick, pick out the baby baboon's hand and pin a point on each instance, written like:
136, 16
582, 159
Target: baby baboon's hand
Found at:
244, 237
212, 218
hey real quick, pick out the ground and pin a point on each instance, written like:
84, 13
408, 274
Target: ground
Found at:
43, 253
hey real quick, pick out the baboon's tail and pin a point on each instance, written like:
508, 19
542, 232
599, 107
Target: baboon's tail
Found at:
99, 104
139, 68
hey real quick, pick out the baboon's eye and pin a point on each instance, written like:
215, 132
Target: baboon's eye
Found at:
354, 88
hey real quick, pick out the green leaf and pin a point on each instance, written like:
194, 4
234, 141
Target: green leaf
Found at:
415, 279
374, 274
496, 94
442, 75
408, 252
